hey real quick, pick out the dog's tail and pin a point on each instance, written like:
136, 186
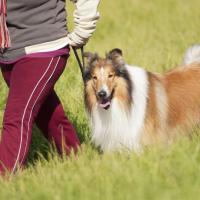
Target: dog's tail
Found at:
192, 55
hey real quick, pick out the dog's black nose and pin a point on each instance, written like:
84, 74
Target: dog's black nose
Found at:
101, 94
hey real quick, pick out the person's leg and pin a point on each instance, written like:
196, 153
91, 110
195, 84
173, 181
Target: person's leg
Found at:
52, 121
32, 80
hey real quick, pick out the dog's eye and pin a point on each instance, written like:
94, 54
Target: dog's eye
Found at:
94, 78
110, 75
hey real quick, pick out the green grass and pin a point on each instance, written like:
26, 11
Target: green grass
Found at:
153, 34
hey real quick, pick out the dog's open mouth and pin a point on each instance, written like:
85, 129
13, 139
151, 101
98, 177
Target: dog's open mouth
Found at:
105, 103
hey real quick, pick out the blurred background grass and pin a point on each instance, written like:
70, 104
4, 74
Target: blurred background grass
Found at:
153, 34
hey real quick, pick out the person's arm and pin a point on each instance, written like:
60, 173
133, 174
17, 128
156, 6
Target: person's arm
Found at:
85, 19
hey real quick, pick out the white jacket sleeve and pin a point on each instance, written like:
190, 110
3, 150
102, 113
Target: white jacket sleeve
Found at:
85, 19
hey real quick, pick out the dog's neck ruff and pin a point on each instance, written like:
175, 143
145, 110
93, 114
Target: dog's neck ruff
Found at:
117, 129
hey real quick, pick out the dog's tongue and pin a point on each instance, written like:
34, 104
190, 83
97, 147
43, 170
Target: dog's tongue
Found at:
105, 104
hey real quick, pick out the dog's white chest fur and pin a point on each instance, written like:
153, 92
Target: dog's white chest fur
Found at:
115, 129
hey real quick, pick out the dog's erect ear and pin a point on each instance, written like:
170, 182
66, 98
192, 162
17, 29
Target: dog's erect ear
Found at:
90, 58
116, 56
116, 51
88, 55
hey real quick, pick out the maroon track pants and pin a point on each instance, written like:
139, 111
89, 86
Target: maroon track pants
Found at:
31, 99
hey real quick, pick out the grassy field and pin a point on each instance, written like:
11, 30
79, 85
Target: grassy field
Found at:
153, 34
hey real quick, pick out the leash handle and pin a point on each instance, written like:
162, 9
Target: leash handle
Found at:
81, 64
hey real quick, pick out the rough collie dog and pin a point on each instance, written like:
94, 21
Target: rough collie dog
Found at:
130, 107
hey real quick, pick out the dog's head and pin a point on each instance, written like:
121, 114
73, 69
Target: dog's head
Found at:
104, 78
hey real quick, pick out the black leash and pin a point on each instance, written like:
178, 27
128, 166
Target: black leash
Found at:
80, 63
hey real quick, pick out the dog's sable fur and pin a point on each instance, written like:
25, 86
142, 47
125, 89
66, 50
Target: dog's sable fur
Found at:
130, 107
